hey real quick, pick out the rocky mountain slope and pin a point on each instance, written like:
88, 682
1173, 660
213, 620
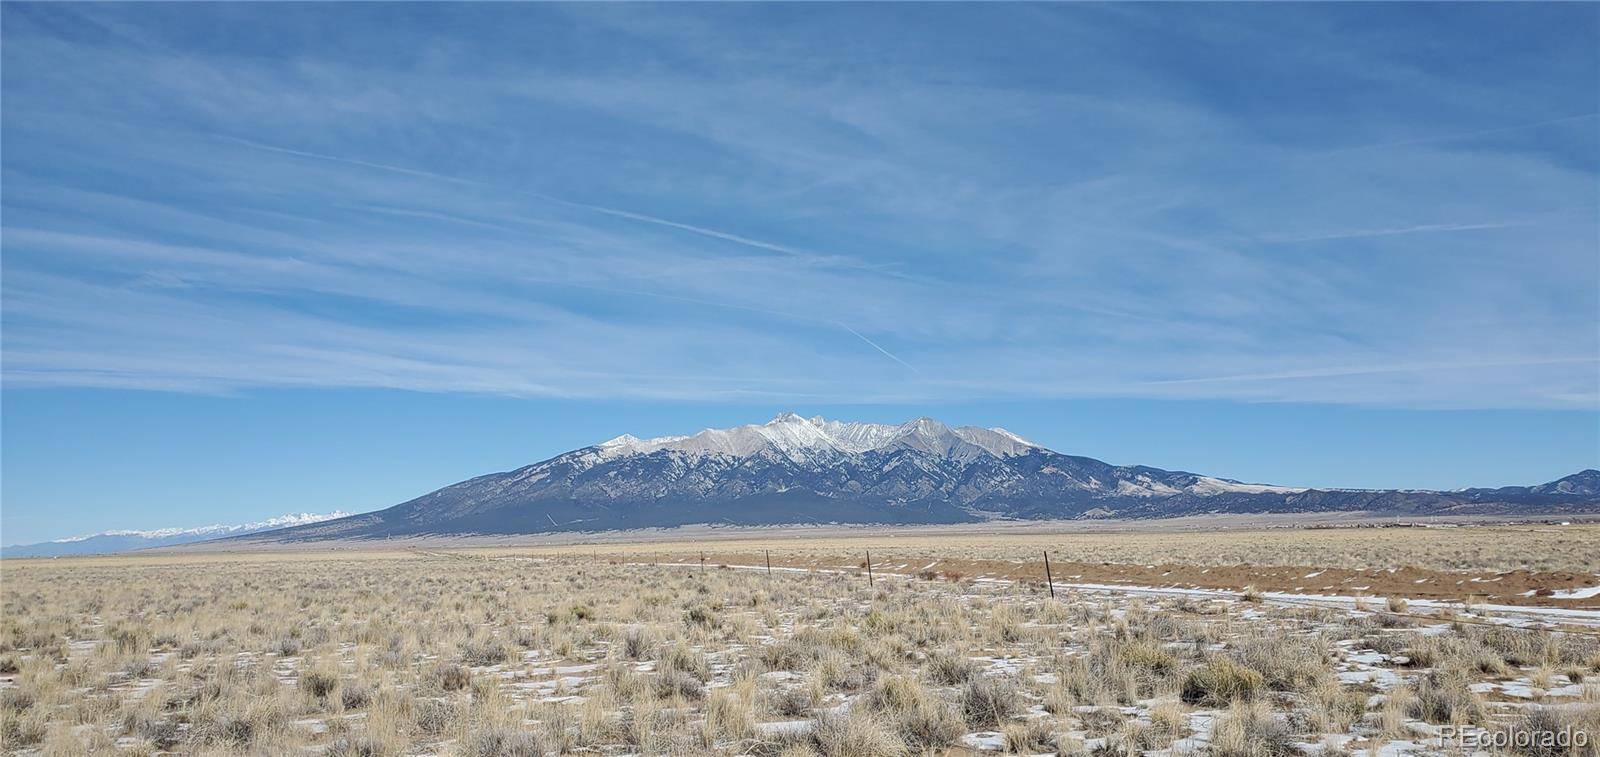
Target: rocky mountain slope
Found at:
813, 470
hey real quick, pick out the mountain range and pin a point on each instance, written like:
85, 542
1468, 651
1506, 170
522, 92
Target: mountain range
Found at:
795, 470
107, 542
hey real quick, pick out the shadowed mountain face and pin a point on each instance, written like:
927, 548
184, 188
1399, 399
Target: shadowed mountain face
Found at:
812, 470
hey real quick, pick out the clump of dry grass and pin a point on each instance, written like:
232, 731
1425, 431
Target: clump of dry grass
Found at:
989, 701
502, 741
319, 682
1285, 664
1443, 696
678, 683
1220, 683
728, 718
1556, 731
791, 702
1029, 736
1135, 738
1454, 651
1169, 722
946, 669
920, 718
1147, 660
449, 677
855, 734
931, 726
484, 651
1249, 729
1334, 708
638, 644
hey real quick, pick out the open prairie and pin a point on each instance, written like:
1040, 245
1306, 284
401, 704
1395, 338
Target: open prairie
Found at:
1249, 642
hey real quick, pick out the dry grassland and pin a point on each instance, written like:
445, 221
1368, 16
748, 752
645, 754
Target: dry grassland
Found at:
1476, 548
594, 650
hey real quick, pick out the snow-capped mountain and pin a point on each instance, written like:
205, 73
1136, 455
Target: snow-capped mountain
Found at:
805, 439
124, 540
813, 470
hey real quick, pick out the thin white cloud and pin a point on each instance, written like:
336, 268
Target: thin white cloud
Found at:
1464, 134
604, 210
1368, 370
1431, 228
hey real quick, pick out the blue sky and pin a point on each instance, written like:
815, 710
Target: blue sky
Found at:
261, 259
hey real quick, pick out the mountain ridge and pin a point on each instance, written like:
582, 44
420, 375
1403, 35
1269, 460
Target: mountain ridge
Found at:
813, 470
126, 540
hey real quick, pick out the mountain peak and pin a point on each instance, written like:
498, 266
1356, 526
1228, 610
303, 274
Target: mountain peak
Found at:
799, 438
1584, 482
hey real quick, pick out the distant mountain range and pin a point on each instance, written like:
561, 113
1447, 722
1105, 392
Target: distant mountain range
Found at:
812, 470
107, 542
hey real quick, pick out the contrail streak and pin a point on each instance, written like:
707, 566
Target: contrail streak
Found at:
353, 162
701, 230
875, 346
616, 212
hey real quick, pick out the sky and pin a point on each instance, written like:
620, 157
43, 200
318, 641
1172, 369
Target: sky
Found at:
278, 258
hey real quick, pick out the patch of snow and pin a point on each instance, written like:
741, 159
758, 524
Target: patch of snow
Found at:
1208, 485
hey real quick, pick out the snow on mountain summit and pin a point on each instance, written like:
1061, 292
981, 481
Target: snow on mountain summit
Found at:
800, 439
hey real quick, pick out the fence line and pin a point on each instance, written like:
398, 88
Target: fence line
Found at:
1357, 604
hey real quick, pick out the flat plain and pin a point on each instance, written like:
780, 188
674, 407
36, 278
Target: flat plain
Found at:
1229, 642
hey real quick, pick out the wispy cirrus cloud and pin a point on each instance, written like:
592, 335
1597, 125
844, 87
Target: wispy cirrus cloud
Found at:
1475, 133
797, 215
614, 212
1367, 370
1426, 228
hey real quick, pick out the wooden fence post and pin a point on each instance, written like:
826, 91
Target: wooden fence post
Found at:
869, 568
768, 553
1049, 581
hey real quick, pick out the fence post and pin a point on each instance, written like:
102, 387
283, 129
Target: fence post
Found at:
869, 568
768, 553
702, 563
1048, 580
